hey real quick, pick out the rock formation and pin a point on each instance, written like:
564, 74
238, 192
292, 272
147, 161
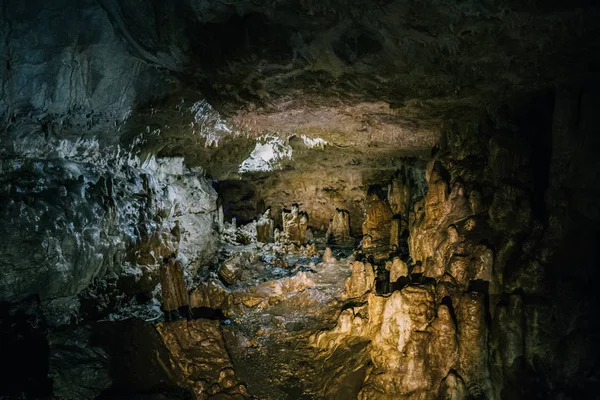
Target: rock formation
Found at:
460, 138
377, 223
399, 196
265, 228
175, 297
338, 231
397, 268
295, 224
361, 281
231, 270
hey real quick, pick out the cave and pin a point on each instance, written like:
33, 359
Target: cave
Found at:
384, 199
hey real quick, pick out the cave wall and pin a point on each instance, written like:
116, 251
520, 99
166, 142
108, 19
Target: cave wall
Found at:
501, 303
318, 192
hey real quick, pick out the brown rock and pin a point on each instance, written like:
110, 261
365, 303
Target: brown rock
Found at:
295, 223
452, 388
473, 341
361, 281
378, 218
199, 357
328, 256
265, 227
399, 194
398, 268
173, 288
339, 228
231, 269
211, 294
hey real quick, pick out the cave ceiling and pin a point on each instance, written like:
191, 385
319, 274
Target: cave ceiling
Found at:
373, 81
370, 78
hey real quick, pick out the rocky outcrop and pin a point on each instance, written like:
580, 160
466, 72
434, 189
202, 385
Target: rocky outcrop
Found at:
295, 224
339, 228
378, 219
82, 216
173, 288
198, 356
265, 228
231, 270
361, 281
397, 268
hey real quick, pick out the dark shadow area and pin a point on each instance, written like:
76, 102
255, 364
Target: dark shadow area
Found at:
24, 351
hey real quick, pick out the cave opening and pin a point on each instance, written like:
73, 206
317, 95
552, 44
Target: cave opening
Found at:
299, 200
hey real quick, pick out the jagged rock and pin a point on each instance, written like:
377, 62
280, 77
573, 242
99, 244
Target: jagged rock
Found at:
231, 270
395, 233
378, 218
265, 228
295, 223
361, 281
339, 228
400, 347
173, 288
430, 227
310, 250
211, 294
444, 344
472, 326
198, 356
397, 268
399, 194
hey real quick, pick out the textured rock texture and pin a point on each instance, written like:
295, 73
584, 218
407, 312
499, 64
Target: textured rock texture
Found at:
83, 213
339, 228
474, 319
460, 137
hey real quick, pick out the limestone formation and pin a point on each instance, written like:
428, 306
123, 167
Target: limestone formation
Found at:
328, 256
265, 228
199, 358
399, 194
441, 208
231, 269
397, 268
361, 281
211, 294
295, 224
339, 228
174, 291
378, 218
395, 232
123, 121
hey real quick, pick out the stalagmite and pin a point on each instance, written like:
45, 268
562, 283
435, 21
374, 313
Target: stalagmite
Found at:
361, 281
328, 256
295, 224
378, 218
265, 227
399, 194
339, 228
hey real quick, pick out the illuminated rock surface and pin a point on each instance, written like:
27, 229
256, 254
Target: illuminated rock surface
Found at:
445, 152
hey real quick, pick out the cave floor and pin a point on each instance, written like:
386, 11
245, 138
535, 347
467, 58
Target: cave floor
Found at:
269, 346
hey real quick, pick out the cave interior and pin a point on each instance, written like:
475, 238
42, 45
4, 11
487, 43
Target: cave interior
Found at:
376, 199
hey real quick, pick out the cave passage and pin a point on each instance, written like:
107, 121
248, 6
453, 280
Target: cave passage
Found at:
368, 200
